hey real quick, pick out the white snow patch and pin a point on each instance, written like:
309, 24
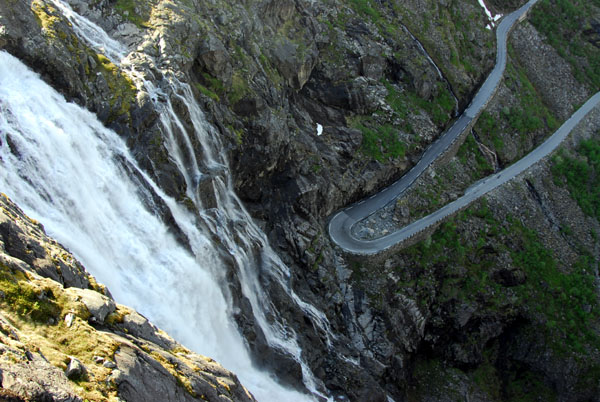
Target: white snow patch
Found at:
319, 129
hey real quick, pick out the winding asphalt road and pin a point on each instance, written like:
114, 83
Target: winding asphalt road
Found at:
341, 223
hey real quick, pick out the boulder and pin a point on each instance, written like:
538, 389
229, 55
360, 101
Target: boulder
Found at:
213, 56
294, 61
32, 377
139, 326
75, 369
98, 305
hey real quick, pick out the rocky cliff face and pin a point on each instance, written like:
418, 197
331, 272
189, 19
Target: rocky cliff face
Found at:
63, 338
381, 79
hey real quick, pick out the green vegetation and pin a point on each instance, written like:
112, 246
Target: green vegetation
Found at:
215, 89
207, 92
46, 18
439, 108
555, 298
561, 297
531, 114
432, 376
525, 386
215, 84
522, 121
566, 24
455, 266
122, 89
172, 367
211, 87
239, 88
129, 9
334, 53
270, 70
581, 174
486, 375
453, 48
366, 8
238, 132
470, 150
488, 124
26, 300
381, 143
379, 140
397, 100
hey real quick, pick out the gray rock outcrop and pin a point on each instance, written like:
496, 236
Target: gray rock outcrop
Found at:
82, 345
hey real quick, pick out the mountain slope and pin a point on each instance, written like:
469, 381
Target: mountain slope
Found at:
380, 79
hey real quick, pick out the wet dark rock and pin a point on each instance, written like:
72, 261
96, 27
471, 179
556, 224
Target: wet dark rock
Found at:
510, 277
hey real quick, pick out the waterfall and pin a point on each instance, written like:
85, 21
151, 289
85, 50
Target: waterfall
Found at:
241, 238
64, 168
95, 36
246, 245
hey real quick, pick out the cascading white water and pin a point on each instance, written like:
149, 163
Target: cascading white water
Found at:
229, 221
71, 173
243, 238
229, 206
94, 35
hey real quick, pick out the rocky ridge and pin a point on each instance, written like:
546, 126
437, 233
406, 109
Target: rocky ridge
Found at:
63, 338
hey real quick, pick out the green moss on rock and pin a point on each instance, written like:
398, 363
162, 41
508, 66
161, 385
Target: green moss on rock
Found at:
122, 89
27, 301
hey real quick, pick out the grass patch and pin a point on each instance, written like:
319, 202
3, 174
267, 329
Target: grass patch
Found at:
210, 86
30, 305
558, 296
439, 108
469, 150
380, 142
566, 24
531, 114
488, 126
581, 175
207, 92
239, 88
561, 304
129, 10
26, 300
366, 8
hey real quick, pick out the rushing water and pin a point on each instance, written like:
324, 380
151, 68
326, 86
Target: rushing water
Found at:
76, 180
94, 35
71, 173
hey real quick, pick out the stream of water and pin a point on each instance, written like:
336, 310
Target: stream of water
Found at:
64, 168
74, 175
